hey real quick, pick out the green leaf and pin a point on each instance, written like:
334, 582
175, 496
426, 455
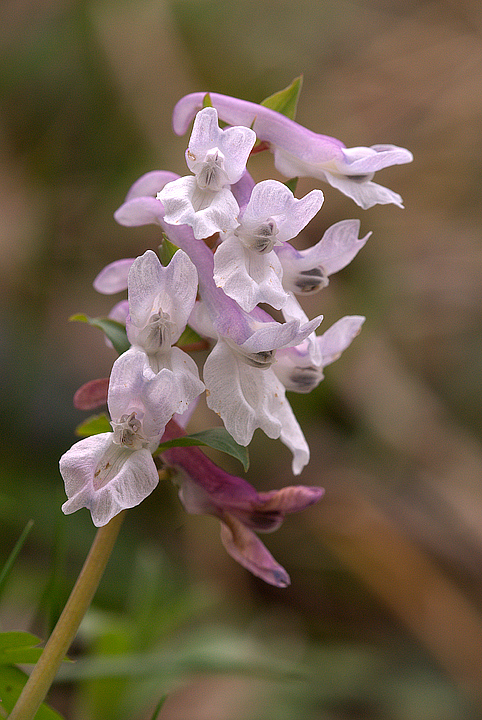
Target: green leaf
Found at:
12, 681
5, 572
217, 438
167, 250
285, 101
113, 330
94, 425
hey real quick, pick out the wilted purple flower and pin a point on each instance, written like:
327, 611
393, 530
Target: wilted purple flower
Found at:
207, 489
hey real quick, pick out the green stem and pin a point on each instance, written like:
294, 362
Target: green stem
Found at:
44, 672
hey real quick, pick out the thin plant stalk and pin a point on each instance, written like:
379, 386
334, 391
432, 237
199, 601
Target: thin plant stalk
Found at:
44, 672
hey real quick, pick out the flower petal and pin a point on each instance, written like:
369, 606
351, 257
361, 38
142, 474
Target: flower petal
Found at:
150, 184
207, 212
133, 477
113, 278
139, 211
245, 397
248, 277
272, 199
248, 550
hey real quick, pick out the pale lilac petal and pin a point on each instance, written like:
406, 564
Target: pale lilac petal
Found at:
248, 550
292, 310
292, 436
272, 199
273, 335
113, 278
154, 288
207, 212
362, 160
154, 395
308, 270
243, 188
146, 281
245, 397
140, 211
269, 125
150, 184
235, 143
248, 277
365, 194
106, 478
338, 337
337, 248
298, 152
297, 368
119, 312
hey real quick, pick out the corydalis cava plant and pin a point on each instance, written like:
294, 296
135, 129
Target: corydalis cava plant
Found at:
230, 241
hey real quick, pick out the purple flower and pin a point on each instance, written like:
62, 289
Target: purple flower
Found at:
301, 152
206, 489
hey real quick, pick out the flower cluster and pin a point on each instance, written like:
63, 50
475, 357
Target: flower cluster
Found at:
216, 288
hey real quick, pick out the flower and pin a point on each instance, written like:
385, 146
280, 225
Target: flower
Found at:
218, 159
112, 471
301, 152
245, 265
242, 387
207, 489
307, 271
296, 367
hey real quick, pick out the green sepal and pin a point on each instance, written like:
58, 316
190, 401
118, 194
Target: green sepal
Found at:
190, 337
12, 682
285, 101
94, 425
217, 438
292, 184
207, 101
112, 329
166, 250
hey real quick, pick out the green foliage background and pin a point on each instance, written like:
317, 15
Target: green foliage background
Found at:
383, 618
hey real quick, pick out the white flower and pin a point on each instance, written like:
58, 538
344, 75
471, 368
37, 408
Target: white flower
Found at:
300, 370
218, 159
307, 271
245, 266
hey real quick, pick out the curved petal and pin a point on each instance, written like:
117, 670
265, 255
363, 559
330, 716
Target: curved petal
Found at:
248, 550
338, 337
150, 184
139, 211
248, 277
113, 278
106, 478
365, 194
207, 212
235, 144
245, 397
272, 199
154, 289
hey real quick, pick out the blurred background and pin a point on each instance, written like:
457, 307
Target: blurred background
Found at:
384, 615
